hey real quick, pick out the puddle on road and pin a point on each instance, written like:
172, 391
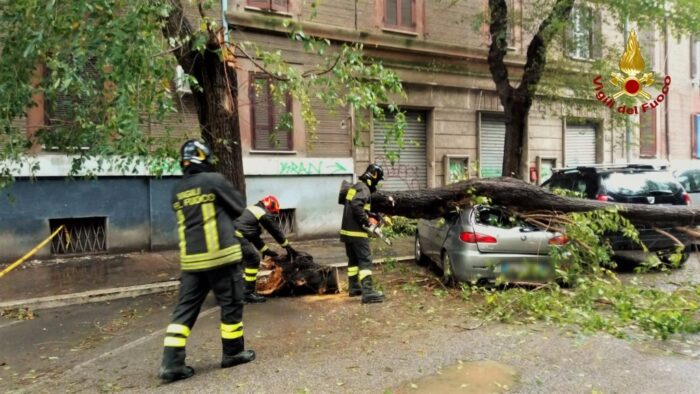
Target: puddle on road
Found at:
475, 377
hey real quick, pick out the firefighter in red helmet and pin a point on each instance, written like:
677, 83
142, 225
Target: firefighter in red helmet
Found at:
249, 226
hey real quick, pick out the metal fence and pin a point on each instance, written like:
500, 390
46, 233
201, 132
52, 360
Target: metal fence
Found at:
80, 236
287, 221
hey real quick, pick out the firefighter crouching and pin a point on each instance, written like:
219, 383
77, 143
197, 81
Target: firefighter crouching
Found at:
354, 233
205, 204
249, 226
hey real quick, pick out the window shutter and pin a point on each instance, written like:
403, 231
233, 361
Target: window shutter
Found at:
280, 5
647, 134
281, 136
260, 99
596, 35
268, 117
407, 15
695, 57
264, 4
647, 40
696, 136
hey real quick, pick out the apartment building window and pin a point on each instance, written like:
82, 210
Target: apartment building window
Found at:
270, 5
696, 136
581, 36
400, 14
271, 116
514, 19
695, 60
647, 134
647, 40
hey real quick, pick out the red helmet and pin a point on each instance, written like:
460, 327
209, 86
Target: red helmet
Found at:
271, 204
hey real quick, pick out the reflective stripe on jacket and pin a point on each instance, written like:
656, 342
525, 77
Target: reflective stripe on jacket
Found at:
358, 202
205, 204
251, 223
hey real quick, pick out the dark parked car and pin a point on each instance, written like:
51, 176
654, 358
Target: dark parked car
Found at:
689, 177
639, 184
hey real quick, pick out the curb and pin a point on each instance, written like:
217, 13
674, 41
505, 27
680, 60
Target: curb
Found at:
113, 293
116, 293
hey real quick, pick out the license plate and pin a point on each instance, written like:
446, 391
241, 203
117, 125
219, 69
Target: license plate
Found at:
536, 269
501, 268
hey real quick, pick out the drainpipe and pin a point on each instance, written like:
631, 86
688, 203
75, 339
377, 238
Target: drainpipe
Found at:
224, 21
628, 123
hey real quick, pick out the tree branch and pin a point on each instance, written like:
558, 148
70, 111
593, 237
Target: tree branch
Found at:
326, 71
498, 27
258, 65
537, 50
178, 27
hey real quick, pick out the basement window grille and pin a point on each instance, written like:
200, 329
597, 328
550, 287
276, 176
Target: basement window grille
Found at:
79, 236
287, 221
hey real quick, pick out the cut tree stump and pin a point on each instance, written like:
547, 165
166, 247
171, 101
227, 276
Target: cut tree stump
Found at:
521, 197
298, 276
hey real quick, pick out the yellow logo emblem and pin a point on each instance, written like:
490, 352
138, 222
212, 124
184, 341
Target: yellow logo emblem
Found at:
632, 63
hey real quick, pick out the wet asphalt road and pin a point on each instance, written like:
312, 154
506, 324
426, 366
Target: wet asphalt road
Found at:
333, 344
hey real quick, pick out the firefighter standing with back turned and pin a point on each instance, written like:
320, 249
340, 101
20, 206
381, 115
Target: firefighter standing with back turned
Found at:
354, 233
249, 227
205, 204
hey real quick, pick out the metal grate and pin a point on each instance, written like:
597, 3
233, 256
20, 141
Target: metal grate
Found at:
287, 221
80, 235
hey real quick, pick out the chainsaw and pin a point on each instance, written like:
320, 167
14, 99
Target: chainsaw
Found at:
376, 222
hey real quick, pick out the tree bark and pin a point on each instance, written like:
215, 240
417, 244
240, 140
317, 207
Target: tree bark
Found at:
521, 197
518, 101
217, 100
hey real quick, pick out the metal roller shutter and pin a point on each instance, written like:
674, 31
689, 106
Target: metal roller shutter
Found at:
580, 145
492, 139
410, 171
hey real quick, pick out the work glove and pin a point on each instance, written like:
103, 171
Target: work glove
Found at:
270, 253
291, 251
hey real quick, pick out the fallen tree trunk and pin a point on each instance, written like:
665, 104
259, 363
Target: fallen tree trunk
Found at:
521, 197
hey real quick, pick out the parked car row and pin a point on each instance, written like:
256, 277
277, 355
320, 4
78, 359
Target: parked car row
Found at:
482, 243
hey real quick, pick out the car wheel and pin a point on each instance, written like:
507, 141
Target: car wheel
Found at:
421, 259
665, 257
448, 277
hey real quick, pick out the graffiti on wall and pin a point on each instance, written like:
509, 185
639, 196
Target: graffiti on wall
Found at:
408, 176
295, 167
458, 169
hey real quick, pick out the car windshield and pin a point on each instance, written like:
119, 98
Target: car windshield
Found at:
641, 183
496, 217
690, 179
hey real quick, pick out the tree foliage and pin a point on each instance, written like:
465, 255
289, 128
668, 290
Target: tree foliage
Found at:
106, 64
550, 74
110, 64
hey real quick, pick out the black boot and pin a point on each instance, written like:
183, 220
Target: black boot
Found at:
354, 288
369, 295
173, 366
251, 296
234, 353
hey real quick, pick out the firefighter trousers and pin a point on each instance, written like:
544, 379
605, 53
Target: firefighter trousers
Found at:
251, 264
359, 258
227, 284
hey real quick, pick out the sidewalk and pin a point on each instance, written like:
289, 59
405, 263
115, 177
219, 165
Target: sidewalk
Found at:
98, 276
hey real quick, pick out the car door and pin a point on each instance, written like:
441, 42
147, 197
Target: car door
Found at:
438, 230
499, 233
